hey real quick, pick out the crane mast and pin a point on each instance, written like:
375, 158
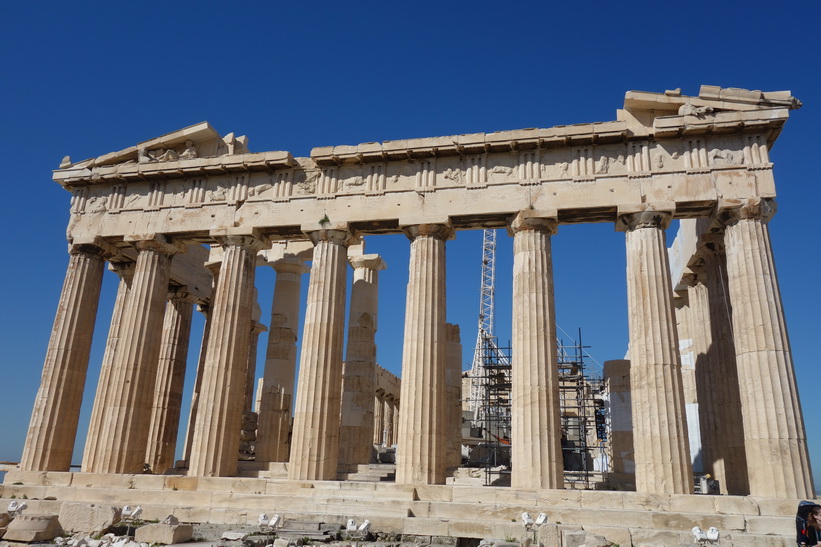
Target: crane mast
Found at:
487, 356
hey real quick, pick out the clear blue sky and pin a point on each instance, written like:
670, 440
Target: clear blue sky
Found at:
87, 78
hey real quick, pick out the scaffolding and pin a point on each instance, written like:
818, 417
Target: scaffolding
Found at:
584, 435
581, 407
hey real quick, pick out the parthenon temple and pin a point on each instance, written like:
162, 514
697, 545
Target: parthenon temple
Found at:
187, 218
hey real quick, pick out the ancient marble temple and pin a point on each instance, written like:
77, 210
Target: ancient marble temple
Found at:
187, 218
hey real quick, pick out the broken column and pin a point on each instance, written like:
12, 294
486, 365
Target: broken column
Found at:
355, 432
280, 363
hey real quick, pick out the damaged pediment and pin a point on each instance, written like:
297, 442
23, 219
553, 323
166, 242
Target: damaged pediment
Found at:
196, 141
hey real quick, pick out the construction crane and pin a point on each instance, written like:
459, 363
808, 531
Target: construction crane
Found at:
489, 362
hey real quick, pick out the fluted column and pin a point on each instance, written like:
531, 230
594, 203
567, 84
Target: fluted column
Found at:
125, 271
394, 425
205, 309
315, 439
422, 423
219, 411
774, 437
126, 417
378, 418
453, 394
165, 415
280, 363
54, 419
355, 431
729, 455
536, 452
662, 454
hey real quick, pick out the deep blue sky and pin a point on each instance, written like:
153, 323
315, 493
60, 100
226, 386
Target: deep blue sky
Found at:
83, 79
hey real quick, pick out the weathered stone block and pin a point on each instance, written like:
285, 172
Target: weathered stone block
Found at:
88, 518
164, 533
29, 528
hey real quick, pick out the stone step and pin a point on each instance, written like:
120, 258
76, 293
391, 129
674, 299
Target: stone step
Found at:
456, 511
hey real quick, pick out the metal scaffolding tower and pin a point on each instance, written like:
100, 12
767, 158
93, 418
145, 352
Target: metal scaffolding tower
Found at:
581, 405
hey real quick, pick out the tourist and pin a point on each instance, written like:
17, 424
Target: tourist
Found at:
811, 534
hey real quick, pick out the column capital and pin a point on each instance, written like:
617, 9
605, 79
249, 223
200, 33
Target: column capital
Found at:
239, 236
290, 264
531, 219
730, 211
370, 261
442, 232
644, 215
180, 292
89, 249
155, 242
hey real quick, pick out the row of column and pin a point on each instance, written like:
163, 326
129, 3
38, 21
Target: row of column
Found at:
773, 431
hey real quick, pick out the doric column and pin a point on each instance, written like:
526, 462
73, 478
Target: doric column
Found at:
355, 432
422, 424
453, 394
125, 271
165, 415
280, 363
378, 417
257, 328
222, 396
56, 413
127, 414
693, 327
662, 454
394, 425
728, 456
387, 423
536, 451
774, 437
195, 395
315, 439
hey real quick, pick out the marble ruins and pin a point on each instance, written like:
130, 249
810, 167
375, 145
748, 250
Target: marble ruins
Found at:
185, 219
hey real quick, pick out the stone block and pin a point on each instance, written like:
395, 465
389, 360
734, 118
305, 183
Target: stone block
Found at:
655, 538
548, 535
88, 518
736, 505
420, 527
776, 507
30, 528
770, 525
164, 533
693, 504
597, 499
617, 536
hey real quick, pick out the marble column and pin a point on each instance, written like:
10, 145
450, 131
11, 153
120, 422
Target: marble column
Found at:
165, 415
774, 438
536, 451
280, 363
315, 439
662, 455
54, 419
387, 412
355, 431
395, 422
422, 424
123, 436
729, 454
222, 396
453, 394
195, 395
378, 417
125, 271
